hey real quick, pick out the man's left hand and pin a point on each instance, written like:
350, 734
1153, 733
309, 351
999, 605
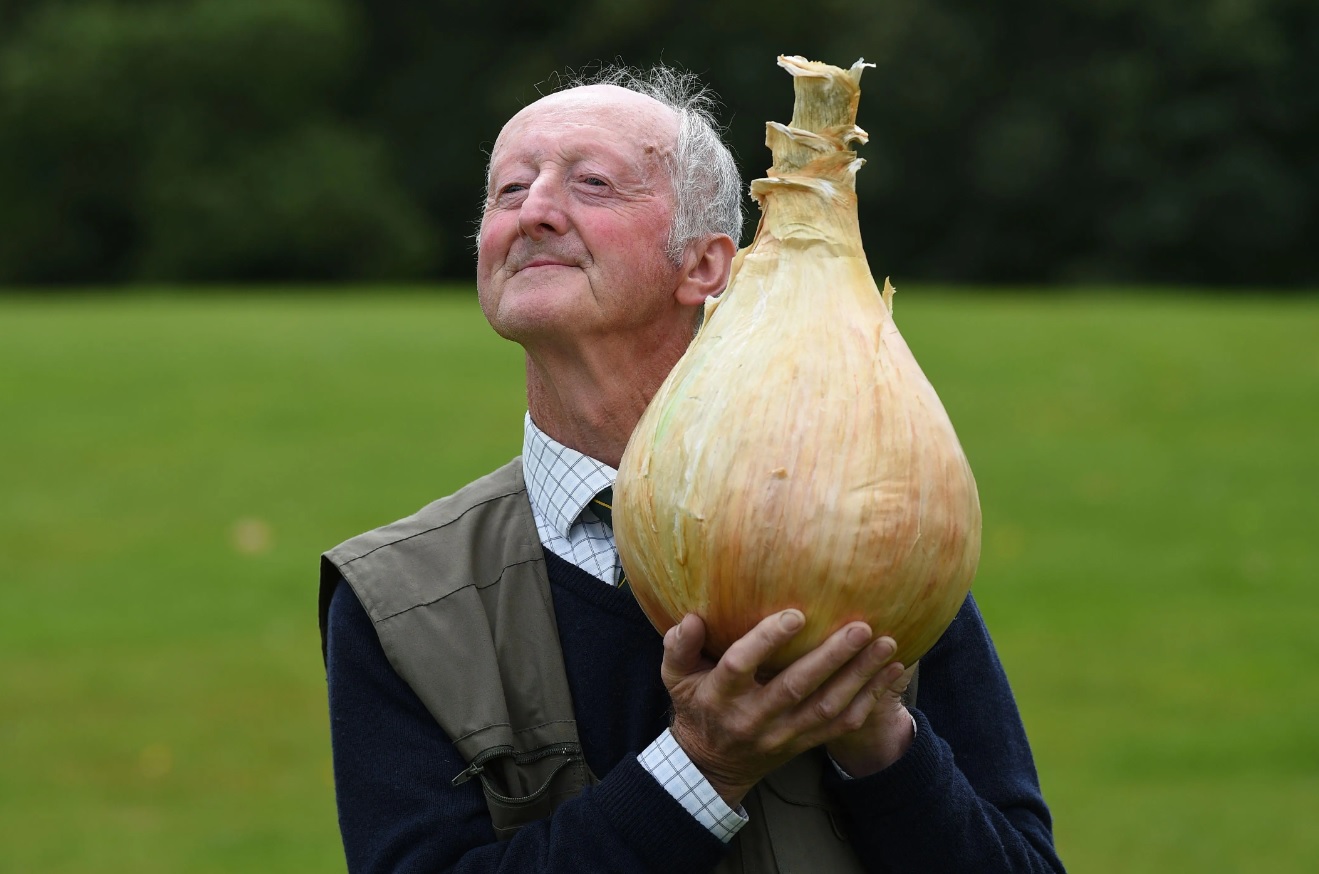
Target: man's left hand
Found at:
885, 736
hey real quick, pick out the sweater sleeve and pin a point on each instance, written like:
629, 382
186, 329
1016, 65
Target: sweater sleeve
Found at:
965, 796
398, 812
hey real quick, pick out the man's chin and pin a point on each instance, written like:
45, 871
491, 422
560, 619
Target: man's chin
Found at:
530, 314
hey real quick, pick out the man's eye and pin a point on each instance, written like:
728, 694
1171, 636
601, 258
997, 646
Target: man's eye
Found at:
595, 180
512, 188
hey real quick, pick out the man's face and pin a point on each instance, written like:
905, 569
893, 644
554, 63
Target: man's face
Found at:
577, 217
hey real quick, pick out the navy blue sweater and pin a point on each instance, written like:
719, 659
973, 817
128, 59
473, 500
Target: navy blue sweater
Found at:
964, 797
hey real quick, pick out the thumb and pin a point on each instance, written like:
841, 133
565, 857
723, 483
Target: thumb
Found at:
682, 650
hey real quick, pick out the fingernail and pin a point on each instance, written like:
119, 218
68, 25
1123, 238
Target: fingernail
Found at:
791, 620
885, 647
857, 636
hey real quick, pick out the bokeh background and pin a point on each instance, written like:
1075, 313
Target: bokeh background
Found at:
239, 326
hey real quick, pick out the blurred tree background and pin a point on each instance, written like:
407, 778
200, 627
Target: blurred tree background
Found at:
1041, 141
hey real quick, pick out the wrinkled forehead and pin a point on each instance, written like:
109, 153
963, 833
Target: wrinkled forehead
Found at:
622, 117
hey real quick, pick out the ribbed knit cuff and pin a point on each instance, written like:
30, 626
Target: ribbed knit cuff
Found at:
649, 819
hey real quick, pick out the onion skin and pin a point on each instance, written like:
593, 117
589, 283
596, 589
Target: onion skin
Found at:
797, 456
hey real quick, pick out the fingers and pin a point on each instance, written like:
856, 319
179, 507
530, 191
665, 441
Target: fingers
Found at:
867, 701
899, 686
838, 669
736, 728
843, 696
738, 667
876, 729
889, 682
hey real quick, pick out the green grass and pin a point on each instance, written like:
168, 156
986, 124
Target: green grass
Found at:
172, 467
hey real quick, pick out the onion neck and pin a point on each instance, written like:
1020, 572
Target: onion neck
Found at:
823, 115
809, 195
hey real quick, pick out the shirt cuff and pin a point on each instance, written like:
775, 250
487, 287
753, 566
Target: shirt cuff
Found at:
669, 764
846, 776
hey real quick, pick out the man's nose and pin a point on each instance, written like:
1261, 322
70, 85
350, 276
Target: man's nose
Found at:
542, 213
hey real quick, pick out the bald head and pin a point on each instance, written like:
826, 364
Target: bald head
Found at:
704, 180
600, 107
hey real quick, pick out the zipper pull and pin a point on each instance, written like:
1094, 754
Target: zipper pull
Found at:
478, 764
467, 773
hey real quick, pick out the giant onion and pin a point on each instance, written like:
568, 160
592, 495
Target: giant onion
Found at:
796, 456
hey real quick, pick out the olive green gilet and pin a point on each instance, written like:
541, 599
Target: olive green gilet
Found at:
460, 597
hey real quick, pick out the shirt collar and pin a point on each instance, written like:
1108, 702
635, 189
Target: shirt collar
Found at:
560, 480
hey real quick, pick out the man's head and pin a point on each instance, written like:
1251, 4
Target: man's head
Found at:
708, 189
604, 201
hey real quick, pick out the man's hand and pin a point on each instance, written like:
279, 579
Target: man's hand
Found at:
884, 737
736, 728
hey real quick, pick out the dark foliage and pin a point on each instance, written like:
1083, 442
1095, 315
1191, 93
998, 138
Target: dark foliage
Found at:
1042, 141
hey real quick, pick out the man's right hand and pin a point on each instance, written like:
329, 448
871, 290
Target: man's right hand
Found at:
736, 729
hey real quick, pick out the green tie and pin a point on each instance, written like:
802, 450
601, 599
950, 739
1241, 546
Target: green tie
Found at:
603, 505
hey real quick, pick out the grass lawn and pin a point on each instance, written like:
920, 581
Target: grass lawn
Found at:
173, 466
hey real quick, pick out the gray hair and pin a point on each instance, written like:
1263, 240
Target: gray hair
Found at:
707, 188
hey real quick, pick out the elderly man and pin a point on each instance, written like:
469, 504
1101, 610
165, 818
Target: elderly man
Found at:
498, 703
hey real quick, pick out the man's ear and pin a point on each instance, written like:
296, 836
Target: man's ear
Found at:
705, 267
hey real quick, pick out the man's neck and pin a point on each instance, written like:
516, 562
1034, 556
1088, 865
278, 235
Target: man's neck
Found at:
595, 418
591, 400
